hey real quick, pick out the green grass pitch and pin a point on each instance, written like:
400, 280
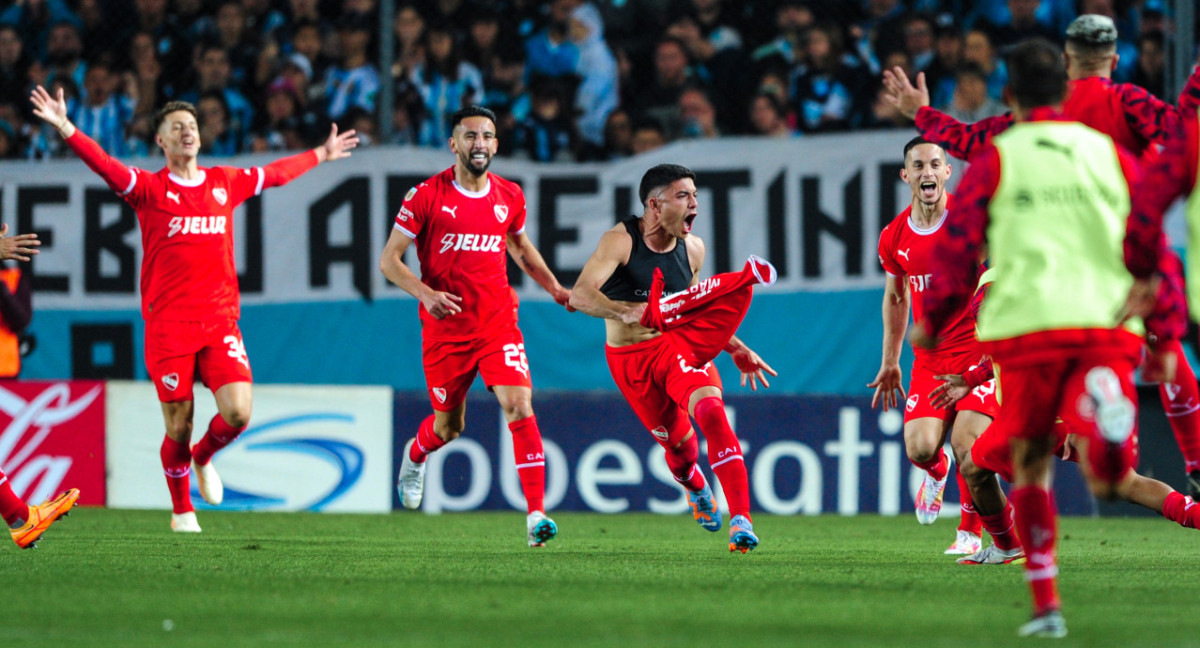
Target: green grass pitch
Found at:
121, 578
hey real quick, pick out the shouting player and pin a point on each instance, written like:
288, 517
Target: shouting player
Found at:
654, 372
189, 282
463, 220
908, 249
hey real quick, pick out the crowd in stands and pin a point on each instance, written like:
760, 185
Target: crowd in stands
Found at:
569, 79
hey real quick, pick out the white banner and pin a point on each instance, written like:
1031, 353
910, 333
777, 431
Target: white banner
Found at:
814, 206
316, 448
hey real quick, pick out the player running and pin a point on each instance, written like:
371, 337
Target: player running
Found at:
667, 377
1133, 117
463, 220
189, 286
1065, 205
908, 249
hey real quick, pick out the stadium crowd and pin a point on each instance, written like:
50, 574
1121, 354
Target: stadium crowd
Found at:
569, 79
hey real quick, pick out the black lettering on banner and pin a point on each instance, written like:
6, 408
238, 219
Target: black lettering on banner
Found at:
777, 225
28, 198
816, 223
622, 198
102, 351
102, 239
250, 279
720, 183
355, 192
889, 175
550, 235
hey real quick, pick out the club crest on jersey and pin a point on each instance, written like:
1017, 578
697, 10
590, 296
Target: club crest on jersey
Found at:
501, 212
440, 394
171, 381
220, 195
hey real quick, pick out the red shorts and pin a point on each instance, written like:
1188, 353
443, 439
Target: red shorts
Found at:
177, 353
992, 451
982, 399
658, 383
451, 365
1035, 395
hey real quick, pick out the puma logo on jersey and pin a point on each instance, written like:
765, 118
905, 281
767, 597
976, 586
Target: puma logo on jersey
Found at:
439, 394
472, 243
172, 195
451, 210
903, 253
196, 225
171, 381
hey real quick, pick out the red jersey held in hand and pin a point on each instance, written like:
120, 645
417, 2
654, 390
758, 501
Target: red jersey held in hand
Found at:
461, 239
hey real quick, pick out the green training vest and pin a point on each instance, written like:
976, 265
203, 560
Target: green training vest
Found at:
1056, 231
1193, 248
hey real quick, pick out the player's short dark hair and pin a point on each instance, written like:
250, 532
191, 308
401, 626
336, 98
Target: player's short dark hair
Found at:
915, 142
174, 106
1036, 73
470, 111
661, 176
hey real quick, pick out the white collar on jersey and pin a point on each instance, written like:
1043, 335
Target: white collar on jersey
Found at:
912, 224
195, 182
473, 194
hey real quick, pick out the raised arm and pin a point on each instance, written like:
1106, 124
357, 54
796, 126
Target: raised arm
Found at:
525, 253
53, 111
958, 139
284, 170
613, 250
438, 304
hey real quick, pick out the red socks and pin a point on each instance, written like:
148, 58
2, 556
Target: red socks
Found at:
219, 435
937, 468
682, 462
724, 454
531, 463
177, 465
1000, 527
1182, 510
13, 508
970, 519
1035, 516
1181, 400
426, 443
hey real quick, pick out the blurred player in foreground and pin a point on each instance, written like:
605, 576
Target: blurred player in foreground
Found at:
190, 299
463, 221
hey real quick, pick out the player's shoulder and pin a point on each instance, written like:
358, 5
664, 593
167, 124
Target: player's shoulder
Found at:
898, 225
506, 187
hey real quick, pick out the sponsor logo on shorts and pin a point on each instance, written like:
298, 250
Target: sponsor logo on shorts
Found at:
171, 381
912, 403
501, 212
440, 394
660, 432
196, 225
220, 195
472, 243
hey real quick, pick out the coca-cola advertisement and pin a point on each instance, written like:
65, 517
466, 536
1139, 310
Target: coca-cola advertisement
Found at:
52, 438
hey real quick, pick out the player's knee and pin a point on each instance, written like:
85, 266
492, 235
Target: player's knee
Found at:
1102, 488
237, 417
921, 455
517, 409
448, 431
970, 471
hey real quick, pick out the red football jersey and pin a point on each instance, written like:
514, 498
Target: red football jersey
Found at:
462, 246
905, 249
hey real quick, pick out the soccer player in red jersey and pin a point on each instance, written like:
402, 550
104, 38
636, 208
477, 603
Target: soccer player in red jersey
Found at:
1049, 194
663, 386
463, 221
1134, 118
908, 248
188, 280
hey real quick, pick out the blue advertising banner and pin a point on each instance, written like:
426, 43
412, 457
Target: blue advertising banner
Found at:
804, 455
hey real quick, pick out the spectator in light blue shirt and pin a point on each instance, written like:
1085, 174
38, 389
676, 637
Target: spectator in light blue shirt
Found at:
597, 94
354, 81
445, 83
549, 52
104, 114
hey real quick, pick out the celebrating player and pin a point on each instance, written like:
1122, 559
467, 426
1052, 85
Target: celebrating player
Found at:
654, 372
463, 220
1133, 117
908, 249
189, 283
1065, 205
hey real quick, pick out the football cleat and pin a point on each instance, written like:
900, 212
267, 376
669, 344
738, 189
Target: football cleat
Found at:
1193, 484
208, 482
1115, 413
539, 529
185, 522
964, 543
704, 508
929, 498
741, 534
411, 480
42, 516
1050, 624
994, 555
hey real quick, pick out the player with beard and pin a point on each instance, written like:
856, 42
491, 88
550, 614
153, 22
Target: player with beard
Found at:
663, 373
463, 220
908, 248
